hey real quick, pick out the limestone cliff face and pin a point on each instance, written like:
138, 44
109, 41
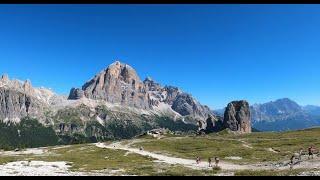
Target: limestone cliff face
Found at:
15, 105
237, 117
185, 104
18, 100
120, 84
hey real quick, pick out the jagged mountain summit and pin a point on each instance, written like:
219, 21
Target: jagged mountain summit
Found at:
120, 84
42, 94
281, 115
278, 109
20, 99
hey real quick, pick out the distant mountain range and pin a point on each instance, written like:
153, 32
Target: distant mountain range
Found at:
282, 115
313, 110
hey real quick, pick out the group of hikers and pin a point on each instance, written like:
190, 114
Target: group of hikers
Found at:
311, 151
210, 160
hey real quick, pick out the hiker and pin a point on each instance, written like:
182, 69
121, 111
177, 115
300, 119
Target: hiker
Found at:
310, 152
210, 162
292, 161
217, 160
198, 160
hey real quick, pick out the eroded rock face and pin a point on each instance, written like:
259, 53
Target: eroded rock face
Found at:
15, 105
212, 124
76, 94
185, 104
120, 84
19, 99
237, 117
172, 93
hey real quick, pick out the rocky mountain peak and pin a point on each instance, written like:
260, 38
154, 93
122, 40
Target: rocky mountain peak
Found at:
19, 99
281, 115
151, 85
148, 79
120, 84
275, 110
4, 78
287, 104
27, 86
122, 71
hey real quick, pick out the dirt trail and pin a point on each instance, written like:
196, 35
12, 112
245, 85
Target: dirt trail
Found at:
245, 144
305, 164
173, 160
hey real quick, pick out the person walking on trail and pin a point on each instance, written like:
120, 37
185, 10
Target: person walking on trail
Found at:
310, 152
210, 162
292, 161
198, 160
217, 161
141, 148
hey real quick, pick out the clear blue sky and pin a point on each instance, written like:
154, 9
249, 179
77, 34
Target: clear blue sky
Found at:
218, 53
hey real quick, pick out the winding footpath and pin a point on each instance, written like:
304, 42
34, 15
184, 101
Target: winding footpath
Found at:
173, 160
307, 164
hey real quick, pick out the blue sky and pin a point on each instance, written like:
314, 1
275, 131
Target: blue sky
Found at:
218, 53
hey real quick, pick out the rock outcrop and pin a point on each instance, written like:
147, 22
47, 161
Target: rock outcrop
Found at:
237, 117
76, 94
